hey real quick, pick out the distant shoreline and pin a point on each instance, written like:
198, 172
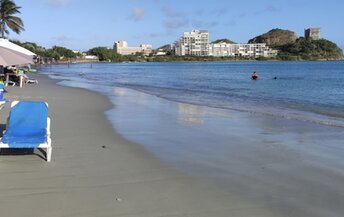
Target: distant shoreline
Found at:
193, 60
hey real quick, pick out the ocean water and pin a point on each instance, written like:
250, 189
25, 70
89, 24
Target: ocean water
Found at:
306, 91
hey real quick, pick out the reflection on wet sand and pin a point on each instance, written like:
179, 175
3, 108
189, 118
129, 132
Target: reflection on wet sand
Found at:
140, 98
275, 163
119, 91
190, 114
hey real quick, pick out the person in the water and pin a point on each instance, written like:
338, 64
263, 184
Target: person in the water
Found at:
254, 75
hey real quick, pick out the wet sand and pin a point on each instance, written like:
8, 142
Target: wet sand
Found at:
289, 167
96, 172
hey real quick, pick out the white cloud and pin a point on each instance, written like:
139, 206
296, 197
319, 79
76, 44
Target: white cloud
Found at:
204, 24
174, 19
150, 36
269, 9
220, 12
170, 12
137, 14
176, 23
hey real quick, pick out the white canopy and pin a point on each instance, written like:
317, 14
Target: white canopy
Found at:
13, 54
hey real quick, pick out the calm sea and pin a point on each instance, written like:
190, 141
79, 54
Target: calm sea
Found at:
307, 91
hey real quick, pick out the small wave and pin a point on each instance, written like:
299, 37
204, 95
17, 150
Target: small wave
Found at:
232, 102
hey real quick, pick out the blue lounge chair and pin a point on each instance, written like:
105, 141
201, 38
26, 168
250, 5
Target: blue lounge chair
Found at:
28, 126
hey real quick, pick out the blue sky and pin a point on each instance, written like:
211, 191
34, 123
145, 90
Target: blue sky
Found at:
84, 24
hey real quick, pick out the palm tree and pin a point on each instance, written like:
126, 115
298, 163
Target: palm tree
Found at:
7, 19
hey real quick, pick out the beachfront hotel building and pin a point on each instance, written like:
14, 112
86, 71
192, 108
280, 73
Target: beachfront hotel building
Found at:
223, 49
195, 43
121, 47
312, 33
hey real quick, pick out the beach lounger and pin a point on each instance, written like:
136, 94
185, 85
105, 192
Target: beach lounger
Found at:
28, 126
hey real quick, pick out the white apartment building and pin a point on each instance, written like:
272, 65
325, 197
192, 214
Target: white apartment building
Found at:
223, 49
194, 43
121, 47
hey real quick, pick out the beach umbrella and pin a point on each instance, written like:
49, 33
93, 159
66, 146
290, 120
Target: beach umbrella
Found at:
13, 54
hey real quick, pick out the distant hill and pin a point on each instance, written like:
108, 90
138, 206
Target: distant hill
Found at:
303, 49
225, 40
275, 37
165, 47
292, 48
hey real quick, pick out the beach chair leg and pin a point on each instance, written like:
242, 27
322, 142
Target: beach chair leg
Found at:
48, 154
21, 81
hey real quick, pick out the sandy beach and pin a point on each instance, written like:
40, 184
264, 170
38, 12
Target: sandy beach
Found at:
96, 172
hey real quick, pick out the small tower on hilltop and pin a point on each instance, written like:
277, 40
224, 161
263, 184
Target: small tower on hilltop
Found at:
312, 33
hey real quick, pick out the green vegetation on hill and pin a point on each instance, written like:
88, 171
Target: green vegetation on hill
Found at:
303, 49
292, 48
